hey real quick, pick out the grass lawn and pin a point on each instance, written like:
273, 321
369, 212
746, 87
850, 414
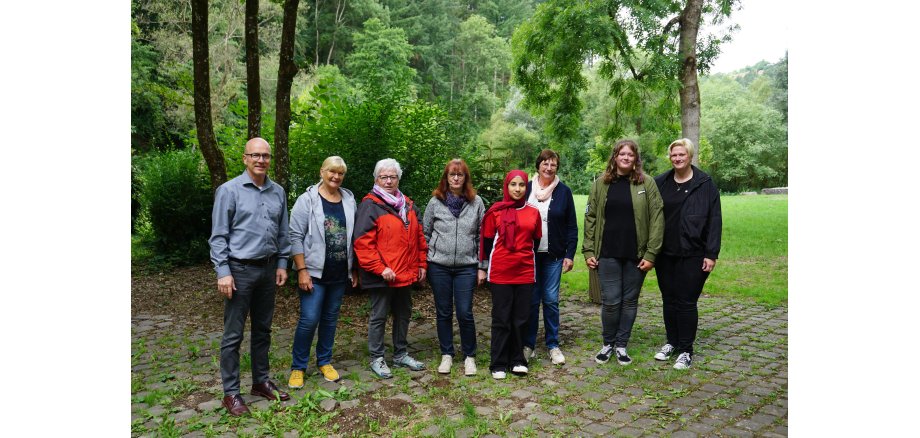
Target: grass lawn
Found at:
753, 262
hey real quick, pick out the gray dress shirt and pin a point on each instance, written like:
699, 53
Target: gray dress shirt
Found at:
249, 223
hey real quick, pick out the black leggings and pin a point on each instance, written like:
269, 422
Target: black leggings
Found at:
681, 281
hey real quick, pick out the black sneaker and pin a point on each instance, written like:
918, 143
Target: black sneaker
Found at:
622, 357
604, 355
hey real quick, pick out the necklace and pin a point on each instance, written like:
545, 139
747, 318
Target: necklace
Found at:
680, 184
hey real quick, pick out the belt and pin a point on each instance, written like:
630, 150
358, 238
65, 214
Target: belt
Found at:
255, 262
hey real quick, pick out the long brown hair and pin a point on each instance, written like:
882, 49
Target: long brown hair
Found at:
635, 175
443, 188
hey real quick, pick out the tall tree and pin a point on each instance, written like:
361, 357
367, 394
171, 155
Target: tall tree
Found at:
689, 87
644, 47
253, 92
213, 157
286, 72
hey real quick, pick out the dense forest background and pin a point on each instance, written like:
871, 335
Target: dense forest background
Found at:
421, 81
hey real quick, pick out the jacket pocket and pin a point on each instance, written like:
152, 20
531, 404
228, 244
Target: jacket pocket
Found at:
693, 230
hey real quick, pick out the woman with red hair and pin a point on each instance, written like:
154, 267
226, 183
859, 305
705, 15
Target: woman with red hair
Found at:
511, 232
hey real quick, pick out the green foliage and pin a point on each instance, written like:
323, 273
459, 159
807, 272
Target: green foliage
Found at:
175, 192
636, 49
379, 63
748, 139
334, 122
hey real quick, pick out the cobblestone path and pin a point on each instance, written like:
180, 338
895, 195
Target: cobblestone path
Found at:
737, 386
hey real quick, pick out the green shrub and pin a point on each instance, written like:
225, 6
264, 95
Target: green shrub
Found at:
176, 198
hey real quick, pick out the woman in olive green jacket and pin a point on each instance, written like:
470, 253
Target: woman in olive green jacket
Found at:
624, 225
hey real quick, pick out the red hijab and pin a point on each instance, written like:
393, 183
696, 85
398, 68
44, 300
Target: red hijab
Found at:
507, 206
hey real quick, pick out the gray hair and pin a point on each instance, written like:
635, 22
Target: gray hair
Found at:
387, 163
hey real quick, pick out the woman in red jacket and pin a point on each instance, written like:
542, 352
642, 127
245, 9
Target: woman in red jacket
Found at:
391, 251
511, 232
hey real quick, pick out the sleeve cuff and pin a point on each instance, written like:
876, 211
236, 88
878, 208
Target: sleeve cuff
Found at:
282, 262
223, 271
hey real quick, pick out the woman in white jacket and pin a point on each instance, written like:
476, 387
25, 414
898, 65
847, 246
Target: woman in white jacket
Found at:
321, 226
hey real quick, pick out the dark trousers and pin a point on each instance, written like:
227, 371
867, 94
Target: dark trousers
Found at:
453, 286
681, 281
384, 299
255, 295
510, 312
621, 280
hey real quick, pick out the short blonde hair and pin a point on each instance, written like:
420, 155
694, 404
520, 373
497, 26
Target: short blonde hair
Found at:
334, 163
685, 143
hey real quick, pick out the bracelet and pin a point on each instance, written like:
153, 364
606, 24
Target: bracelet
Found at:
301, 269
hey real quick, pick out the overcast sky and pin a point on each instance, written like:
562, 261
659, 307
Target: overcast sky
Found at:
763, 35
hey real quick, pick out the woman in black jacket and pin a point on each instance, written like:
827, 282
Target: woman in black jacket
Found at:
692, 240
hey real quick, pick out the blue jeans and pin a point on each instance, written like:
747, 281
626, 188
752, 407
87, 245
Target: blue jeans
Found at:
549, 274
453, 286
317, 308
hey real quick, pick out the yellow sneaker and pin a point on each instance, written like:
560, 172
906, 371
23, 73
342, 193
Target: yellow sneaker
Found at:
296, 380
329, 373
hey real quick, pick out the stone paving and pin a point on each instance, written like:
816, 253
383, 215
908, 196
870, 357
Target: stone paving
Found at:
737, 386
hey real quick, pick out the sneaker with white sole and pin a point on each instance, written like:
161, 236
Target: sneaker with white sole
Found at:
556, 355
408, 362
446, 362
380, 368
622, 357
498, 375
469, 366
603, 356
683, 361
519, 369
665, 352
529, 353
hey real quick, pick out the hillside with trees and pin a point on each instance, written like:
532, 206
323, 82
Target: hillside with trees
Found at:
492, 81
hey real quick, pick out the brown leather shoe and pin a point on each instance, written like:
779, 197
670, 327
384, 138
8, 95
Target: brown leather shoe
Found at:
235, 405
267, 389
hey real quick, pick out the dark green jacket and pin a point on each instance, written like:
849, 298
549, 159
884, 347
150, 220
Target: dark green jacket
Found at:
648, 209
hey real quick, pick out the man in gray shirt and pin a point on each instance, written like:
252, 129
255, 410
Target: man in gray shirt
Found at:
250, 250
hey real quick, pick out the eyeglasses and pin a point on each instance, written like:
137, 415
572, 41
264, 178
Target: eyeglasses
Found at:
456, 175
265, 157
388, 177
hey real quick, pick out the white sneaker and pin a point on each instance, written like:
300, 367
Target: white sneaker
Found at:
498, 375
556, 355
683, 361
520, 369
469, 366
446, 362
529, 353
665, 352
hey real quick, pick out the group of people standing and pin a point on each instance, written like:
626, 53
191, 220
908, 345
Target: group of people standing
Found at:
520, 246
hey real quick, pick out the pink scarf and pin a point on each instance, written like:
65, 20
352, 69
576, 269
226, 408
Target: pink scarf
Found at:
543, 193
397, 201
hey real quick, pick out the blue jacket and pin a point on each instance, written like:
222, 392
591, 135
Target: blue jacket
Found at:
562, 225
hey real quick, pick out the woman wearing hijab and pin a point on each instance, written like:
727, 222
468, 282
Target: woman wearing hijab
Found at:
511, 231
451, 224
391, 252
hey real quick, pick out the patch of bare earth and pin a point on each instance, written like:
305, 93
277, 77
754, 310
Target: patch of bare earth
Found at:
190, 295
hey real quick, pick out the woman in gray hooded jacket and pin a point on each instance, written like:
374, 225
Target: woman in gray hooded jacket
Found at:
451, 226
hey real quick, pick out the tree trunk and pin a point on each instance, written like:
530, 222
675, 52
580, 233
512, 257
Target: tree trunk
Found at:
690, 88
286, 72
339, 19
253, 92
213, 157
316, 25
